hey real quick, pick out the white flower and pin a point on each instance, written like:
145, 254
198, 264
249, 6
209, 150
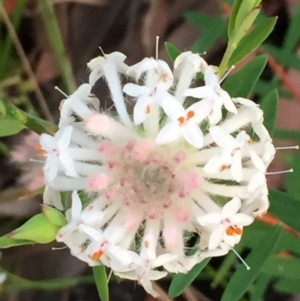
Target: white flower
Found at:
229, 224
184, 122
231, 153
56, 149
213, 91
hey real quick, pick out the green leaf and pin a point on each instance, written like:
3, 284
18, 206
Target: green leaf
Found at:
287, 285
287, 267
251, 41
232, 20
292, 179
9, 126
270, 107
38, 229
181, 281
293, 34
243, 82
241, 280
101, 282
260, 287
287, 134
285, 207
8, 242
31, 122
172, 50
54, 215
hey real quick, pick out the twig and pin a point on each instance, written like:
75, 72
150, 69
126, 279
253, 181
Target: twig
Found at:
26, 65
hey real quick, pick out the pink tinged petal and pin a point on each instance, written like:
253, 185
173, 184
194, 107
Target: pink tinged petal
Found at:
65, 138
210, 219
216, 237
76, 205
210, 76
163, 259
200, 92
241, 219
169, 133
47, 142
68, 163
228, 103
236, 167
222, 138
135, 90
172, 237
173, 108
257, 161
193, 135
142, 109
231, 208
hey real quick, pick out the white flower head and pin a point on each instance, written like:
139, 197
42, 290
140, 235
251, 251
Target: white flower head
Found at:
150, 180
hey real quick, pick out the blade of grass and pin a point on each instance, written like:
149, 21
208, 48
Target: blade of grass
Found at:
55, 38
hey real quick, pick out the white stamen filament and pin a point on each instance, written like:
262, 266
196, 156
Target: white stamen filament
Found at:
61, 91
156, 47
226, 74
241, 259
287, 147
279, 172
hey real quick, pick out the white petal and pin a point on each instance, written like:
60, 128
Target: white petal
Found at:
52, 197
163, 259
257, 161
52, 169
65, 138
193, 135
201, 109
76, 205
169, 133
210, 76
200, 92
210, 218
119, 254
82, 91
236, 167
47, 142
228, 103
222, 138
241, 219
256, 181
217, 163
173, 108
216, 237
245, 102
140, 109
93, 234
231, 208
215, 115
135, 90
146, 283
68, 163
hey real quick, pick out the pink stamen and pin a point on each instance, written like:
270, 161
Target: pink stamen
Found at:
98, 182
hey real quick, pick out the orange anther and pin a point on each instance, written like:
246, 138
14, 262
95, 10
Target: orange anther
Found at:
181, 120
190, 114
38, 146
97, 255
41, 153
230, 231
223, 167
238, 231
148, 109
165, 77
146, 244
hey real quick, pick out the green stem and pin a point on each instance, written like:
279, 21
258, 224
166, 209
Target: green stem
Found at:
227, 55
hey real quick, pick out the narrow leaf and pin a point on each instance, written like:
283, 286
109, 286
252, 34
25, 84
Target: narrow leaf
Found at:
293, 34
288, 285
241, 280
172, 50
101, 282
283, 267
242, 83
292, 179
254, 39
287, 134
8, 242
270, 107
260, 287
181, 281
285, 207
235, 9
9, 126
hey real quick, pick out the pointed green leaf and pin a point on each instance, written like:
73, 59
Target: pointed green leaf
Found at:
251, 41
285, 207
242, 83
101, 282
270, 107
54, 215
172, 50
235, 9
9, 126
8, 242
293, 34
181, 281
292, 179
241, 280
260, 287
31, 122
38, 229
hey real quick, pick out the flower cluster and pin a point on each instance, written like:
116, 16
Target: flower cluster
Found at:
185, 170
